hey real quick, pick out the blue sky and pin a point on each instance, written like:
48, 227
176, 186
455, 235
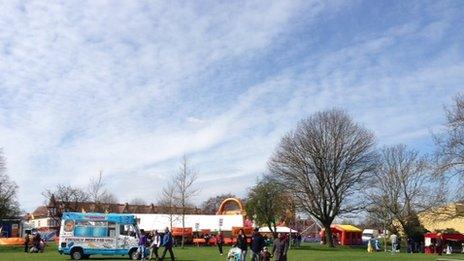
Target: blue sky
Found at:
128, 87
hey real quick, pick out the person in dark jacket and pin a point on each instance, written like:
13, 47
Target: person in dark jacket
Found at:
257, 245
280, 248
167, 244
220, 241
142, 244
242, 244
27, 241
265, 255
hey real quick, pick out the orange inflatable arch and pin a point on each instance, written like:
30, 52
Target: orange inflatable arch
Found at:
231, 206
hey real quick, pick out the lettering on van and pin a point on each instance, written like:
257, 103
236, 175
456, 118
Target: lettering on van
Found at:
89, 239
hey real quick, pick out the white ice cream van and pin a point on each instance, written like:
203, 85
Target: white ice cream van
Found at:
86, 234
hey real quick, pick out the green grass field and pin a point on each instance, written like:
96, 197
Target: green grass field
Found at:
307, 252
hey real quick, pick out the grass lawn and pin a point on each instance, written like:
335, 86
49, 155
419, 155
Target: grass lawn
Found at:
307, 252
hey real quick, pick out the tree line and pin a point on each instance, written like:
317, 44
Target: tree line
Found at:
331, 167
328, 167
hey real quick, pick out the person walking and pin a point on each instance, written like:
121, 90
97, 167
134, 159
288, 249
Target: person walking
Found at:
142, 244
155, 245
257, 245
242, 244
167, 244
280, 248
220, 241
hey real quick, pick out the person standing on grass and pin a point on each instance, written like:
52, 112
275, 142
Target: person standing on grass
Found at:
155, 245
280, 248
257, 245
167, 244
439, 244
220, 241
27, 241
394, 242
242, 244
142, 244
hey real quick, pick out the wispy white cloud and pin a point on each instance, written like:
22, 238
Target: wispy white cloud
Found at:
128, 87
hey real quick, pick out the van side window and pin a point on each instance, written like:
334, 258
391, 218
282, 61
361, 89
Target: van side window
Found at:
91, 229
127, 230
111, 229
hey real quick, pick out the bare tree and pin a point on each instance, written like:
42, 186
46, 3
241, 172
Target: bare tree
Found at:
323, 163
211, 205
64, 198
98, 193
8, 192
168, 202
138, 201
401, 188
185, 190
450, 147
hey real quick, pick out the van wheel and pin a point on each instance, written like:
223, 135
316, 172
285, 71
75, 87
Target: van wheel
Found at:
76, 254
133, 254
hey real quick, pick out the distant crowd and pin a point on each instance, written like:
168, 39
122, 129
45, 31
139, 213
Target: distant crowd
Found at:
257, 246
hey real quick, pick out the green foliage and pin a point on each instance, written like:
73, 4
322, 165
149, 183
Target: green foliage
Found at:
268, 203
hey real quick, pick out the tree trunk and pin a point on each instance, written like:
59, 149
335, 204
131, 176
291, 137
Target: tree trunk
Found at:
328, 236
273, 230
183, 228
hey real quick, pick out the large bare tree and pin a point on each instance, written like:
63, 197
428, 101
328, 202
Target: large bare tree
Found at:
325, 162
450, 144
184, 186
64, 198
8, 192
402, 186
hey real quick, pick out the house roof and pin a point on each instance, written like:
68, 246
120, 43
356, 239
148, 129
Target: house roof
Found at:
43, 211
39, 212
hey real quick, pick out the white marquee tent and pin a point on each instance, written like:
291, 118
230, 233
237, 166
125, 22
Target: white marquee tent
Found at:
196, 222
280, 229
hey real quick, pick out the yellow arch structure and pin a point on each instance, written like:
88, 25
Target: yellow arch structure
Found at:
239, 210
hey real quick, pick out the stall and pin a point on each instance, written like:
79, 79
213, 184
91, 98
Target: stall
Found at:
438, 242
11, 231
344, 235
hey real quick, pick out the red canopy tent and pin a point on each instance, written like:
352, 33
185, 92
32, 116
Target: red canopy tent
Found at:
431, 241
345, 234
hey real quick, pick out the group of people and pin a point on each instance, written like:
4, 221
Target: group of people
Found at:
258, 246
33, 242
150, 243
414, 245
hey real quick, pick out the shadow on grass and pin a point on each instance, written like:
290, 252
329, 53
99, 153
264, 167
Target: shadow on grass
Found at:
126, 258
